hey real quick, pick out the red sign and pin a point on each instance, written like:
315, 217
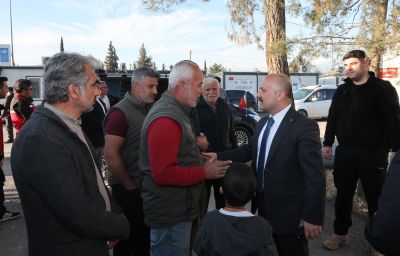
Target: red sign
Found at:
230, 78
389, 72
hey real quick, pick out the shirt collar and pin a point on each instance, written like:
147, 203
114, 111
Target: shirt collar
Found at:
278, 117
63, 115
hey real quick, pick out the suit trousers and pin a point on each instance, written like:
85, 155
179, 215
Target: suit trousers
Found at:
138, 243
287, 244
351, 163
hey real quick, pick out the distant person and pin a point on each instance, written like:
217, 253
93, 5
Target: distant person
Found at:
382, 231
4, 213
216, 123
21, 106
123, 125
170, 161
67, 207
7, 116
233, 230
103, 98
92, 126
364, 116
286, 156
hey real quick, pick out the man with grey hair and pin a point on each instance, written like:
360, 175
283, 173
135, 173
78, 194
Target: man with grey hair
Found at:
216, 123
171, 163
122, 128
68, 210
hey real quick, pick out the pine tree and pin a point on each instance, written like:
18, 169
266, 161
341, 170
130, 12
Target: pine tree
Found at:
144, 60
61, 45
216, 69
111, 61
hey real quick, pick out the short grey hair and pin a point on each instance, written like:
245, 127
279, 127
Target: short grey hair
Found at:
62, 70
139, 74
283, 83
182, 71
209, 80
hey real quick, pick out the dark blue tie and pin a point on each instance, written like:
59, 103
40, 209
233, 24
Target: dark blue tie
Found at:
261, 156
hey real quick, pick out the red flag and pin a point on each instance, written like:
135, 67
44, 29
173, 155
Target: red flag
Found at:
243, 102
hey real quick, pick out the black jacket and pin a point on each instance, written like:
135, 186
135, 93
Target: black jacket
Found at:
217, 125
365, 115
7, 104
92, 125
225, 235
382, 231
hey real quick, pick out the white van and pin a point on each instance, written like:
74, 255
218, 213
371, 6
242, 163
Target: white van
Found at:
314, 101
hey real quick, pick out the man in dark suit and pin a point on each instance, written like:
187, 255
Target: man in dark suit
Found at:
286, 156
68, 210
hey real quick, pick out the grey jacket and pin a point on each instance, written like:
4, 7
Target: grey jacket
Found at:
56, 180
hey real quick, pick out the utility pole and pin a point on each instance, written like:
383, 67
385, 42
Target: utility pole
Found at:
190, 54
12, 40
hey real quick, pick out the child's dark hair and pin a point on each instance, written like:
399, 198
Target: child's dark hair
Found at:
239, 184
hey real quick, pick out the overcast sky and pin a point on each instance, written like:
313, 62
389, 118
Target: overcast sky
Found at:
88, 26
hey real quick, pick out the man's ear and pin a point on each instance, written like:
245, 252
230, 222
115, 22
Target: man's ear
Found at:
221, 190
73, 91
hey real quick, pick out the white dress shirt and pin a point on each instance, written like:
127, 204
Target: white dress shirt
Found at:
278, 117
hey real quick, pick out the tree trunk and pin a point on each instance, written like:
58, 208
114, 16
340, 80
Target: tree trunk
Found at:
379, 32
276, 50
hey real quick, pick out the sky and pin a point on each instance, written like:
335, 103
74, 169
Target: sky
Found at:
87, 27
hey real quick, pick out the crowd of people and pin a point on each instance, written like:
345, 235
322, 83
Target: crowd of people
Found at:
162, 158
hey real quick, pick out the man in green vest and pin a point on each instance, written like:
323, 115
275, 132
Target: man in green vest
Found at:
172, 165
123, 124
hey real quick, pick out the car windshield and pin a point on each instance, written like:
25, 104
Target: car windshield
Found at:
301, 93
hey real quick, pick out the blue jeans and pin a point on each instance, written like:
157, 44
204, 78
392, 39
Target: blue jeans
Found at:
172, 241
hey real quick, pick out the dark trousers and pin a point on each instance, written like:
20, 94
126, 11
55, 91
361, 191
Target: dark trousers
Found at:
10, 128
291, 245
138, 243
368, 165
286, 245
218, 197
2, 180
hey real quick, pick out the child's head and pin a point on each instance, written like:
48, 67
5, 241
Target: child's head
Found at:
239, 185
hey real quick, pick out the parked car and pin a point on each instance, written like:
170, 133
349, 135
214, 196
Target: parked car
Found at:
314, 101
244, 122
235, 96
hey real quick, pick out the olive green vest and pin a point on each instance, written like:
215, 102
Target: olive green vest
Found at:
135, 112
164, 206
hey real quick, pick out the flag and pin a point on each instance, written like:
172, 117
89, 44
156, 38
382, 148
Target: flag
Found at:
243, 102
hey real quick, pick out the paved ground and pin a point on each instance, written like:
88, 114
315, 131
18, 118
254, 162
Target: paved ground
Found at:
13, 238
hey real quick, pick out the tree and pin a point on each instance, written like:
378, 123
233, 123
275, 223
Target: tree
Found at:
215, 69
111, 61
144, 60
244, 31
163, 67
61, 45
341, 24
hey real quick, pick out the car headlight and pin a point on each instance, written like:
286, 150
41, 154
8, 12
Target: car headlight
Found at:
255, 117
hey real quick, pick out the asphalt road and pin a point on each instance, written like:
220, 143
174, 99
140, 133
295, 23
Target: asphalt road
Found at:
13, 237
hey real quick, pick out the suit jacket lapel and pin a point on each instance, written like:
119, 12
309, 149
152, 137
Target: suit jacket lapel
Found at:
281, 132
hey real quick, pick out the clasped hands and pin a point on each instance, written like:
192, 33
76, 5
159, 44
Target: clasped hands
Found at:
213, 168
